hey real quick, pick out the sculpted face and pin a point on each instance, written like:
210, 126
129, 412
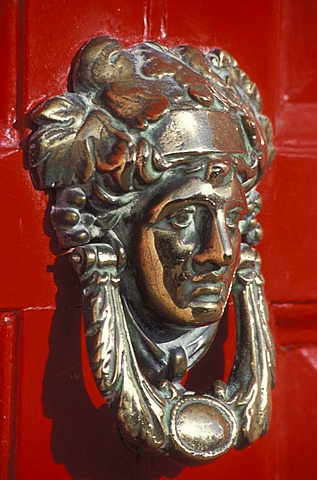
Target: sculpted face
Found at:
189, 245
143, 154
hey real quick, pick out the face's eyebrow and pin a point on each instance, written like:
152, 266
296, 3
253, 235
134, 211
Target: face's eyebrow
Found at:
198, 192
195, 161
190, 208
178, 204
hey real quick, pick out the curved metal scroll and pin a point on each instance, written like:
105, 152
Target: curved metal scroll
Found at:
155, 155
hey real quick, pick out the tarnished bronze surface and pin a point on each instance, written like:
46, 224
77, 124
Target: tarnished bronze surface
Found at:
155, 155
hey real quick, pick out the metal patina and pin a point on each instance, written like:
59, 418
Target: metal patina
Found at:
155, 155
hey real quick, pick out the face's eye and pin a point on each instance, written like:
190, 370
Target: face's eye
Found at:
182, 217
233, 217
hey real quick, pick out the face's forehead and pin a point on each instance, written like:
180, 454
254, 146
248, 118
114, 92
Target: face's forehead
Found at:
200, 130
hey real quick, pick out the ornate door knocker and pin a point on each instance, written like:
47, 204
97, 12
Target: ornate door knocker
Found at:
155, 155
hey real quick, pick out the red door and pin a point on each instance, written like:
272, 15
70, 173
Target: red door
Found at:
54, 424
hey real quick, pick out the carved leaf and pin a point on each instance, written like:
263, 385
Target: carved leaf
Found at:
63, 148
140, 405
252, 376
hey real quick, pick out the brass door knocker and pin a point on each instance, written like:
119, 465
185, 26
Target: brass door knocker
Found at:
155, 155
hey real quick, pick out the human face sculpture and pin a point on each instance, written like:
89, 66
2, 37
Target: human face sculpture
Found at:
189, 245
142, 153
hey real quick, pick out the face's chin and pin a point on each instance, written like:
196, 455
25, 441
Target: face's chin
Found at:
199, 312
206, 313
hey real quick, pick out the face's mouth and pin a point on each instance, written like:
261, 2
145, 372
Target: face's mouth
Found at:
207, 297
215, 276
208, 291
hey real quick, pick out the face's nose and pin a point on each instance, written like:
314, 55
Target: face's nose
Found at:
217, 247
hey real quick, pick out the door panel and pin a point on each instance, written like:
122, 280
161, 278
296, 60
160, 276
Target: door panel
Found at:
54, 423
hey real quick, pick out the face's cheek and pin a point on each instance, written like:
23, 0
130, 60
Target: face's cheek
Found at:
236, 247
175, 255
165, 258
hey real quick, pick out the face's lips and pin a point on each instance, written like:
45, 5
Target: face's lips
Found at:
207, 290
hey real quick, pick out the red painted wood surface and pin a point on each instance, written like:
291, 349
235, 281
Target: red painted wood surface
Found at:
54, 424
9, 342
